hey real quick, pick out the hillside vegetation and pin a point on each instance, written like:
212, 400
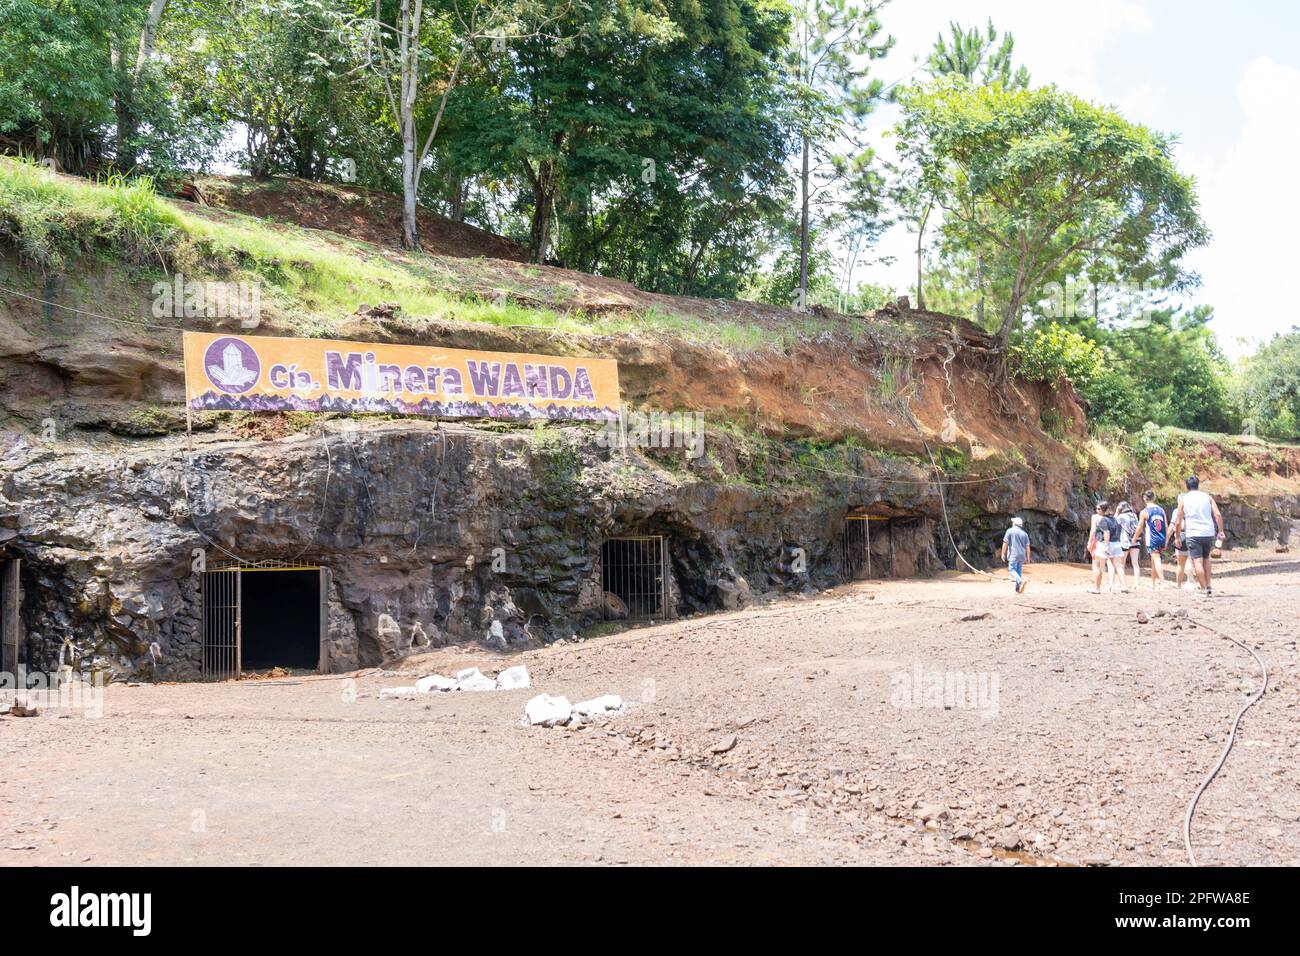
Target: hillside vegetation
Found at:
785, 374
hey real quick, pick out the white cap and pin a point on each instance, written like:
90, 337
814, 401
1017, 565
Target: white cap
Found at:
1018, 521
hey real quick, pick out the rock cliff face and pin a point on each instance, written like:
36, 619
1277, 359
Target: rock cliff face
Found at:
453, 533
430, 533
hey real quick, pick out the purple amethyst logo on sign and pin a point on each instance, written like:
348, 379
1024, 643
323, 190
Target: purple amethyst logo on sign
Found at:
231, 365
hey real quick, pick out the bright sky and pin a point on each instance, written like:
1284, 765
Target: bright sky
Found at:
1224, 79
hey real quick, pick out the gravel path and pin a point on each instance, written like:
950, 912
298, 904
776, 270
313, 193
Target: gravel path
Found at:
808, 731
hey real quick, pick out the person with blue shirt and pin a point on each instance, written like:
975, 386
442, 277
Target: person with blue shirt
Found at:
1152, 535
1015, 552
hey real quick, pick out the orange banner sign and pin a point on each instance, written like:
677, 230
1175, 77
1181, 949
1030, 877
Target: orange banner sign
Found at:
262, 373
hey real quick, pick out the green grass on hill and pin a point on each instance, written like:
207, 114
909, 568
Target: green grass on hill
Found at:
52, 222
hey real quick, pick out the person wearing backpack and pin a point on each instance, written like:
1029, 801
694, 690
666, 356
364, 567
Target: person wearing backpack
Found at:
1106, 551
1151, 536
1127, 520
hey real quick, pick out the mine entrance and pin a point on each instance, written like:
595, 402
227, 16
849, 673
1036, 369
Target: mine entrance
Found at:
264, 615
10, 595
883, 546
634, 571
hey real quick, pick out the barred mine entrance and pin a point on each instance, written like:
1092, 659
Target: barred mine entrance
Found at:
262, 615
883, 546
10, 596
634, 573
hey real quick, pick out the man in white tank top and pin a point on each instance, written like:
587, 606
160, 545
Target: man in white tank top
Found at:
1201, 526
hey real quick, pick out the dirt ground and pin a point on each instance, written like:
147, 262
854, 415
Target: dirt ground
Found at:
1081, 738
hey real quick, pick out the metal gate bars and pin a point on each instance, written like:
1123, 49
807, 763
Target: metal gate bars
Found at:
222, 615
634, 569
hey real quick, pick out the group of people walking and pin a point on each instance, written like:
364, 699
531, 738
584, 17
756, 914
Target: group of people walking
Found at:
1120, 535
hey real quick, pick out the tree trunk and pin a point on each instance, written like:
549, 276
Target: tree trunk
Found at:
410, 188
539, 233
126, 107
1010, 318
408, 53
920, 241
803, 228
979, 282
459, 196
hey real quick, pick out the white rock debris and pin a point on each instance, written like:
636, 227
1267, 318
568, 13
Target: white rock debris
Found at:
598, 706
471, 679
557, 711
434, 682
548, 711
513, 678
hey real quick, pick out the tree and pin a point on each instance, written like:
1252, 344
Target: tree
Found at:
833, 45
130, 80
1045, 180
280, 69
1268, 388
977, 55
400, 50
650, 147
983, 58
77, 82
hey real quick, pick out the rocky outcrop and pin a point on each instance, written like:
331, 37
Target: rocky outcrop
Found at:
431, 534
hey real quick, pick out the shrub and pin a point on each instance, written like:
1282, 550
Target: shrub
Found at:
1052, 352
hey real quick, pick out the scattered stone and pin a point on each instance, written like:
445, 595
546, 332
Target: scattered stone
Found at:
598, 706
434, 682
1142, 617
514, 678
398, 692
725, 744
1008, 840
471, 679
935, 811
547, 710
977, 617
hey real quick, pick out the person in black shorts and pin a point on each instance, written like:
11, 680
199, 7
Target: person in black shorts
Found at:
1201, 525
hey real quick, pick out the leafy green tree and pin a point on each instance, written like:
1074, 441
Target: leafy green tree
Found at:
280, 71
424, 53
1046, 181
982, 57
1163, 367
793, 268
1179, 373
649, 146
56, 88
1268, 388
79, 84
